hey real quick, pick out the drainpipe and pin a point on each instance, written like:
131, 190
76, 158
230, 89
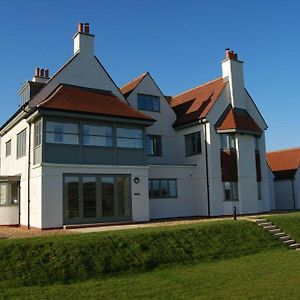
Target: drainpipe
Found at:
293, 192
19, 198
28, 177
206, 169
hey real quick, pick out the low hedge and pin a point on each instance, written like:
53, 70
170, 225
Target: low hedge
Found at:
68, 258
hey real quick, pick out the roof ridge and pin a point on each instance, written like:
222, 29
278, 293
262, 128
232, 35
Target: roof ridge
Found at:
131, 81
283, 150
200, 85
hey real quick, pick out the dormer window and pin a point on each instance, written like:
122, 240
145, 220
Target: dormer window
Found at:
148, 102
25, 96
228, 141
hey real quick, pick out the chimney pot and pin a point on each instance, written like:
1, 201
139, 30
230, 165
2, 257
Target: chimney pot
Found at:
80, 27
37, 72
42, 73
231, 55
86, 27
47, 73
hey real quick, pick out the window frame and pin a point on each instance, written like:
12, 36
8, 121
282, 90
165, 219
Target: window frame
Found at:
190, 137
157, 153
38, 133
151, 98
22, 146
8, 143
150, 188
63, 133
118, 137
228, 143
83, 135
232, 192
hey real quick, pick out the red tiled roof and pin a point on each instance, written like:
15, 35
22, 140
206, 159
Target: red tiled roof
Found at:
130, 86
239, 120
284, 163
194, 104
86, 100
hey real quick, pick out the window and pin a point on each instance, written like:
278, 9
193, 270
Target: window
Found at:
231, 191
21, 144
162, 188
97, 135
37, 133
227, 141
130, 138
61, 133
192, 143
8, 148
259, 195
9, 193
154, 146
148, 102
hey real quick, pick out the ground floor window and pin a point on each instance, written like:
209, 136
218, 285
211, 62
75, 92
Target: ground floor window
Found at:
97, 197
162, 188
231, 191
9, 193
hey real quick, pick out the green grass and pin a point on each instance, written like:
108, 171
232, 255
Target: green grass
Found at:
67, 259
274, 274
289, 223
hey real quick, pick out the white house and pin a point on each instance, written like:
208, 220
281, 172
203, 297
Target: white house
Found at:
285, 165
81, 150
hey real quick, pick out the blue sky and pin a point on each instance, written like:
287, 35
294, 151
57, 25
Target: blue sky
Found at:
181, 43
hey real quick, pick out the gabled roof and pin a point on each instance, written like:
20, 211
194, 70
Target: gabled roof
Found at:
284, 163
127, 88
93, 101
237, 120
195, 104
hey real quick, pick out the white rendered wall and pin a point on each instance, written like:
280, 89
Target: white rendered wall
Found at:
283, 194
9, 215
52, 205
172, 142
271, 189
188, 200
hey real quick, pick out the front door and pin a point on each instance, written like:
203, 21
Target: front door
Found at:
96, 198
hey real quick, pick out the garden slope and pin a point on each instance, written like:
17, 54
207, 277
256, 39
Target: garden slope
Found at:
62, 259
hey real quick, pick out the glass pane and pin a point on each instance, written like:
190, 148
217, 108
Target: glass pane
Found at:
129, 133
141, 102
227, 190
4, 194
93, 140
234, 190
148, 104
232, 141
155, 189
107, 196
72, 187
97, 130
130, 143
172, 188
61, 127
156, 104
123, 185
164, 188
150, 145
14, 193
61, 138
89, 197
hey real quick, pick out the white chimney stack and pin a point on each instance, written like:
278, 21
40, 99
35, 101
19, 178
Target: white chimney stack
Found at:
83, 40
232, 69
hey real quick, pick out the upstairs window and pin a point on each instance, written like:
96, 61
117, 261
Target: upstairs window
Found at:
21, 144
148, 102
130, 138
8, 148
97, 135
231, 191
228, 141
193, 143
154, 146
37, 133
61, 133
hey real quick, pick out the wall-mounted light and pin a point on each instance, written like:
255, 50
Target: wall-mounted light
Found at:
136, 180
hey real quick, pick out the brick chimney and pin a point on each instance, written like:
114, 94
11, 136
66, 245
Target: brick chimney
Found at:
83, 40
40, 75
232, 69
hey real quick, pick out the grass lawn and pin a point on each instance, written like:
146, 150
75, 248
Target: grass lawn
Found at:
274, 274
289, 223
